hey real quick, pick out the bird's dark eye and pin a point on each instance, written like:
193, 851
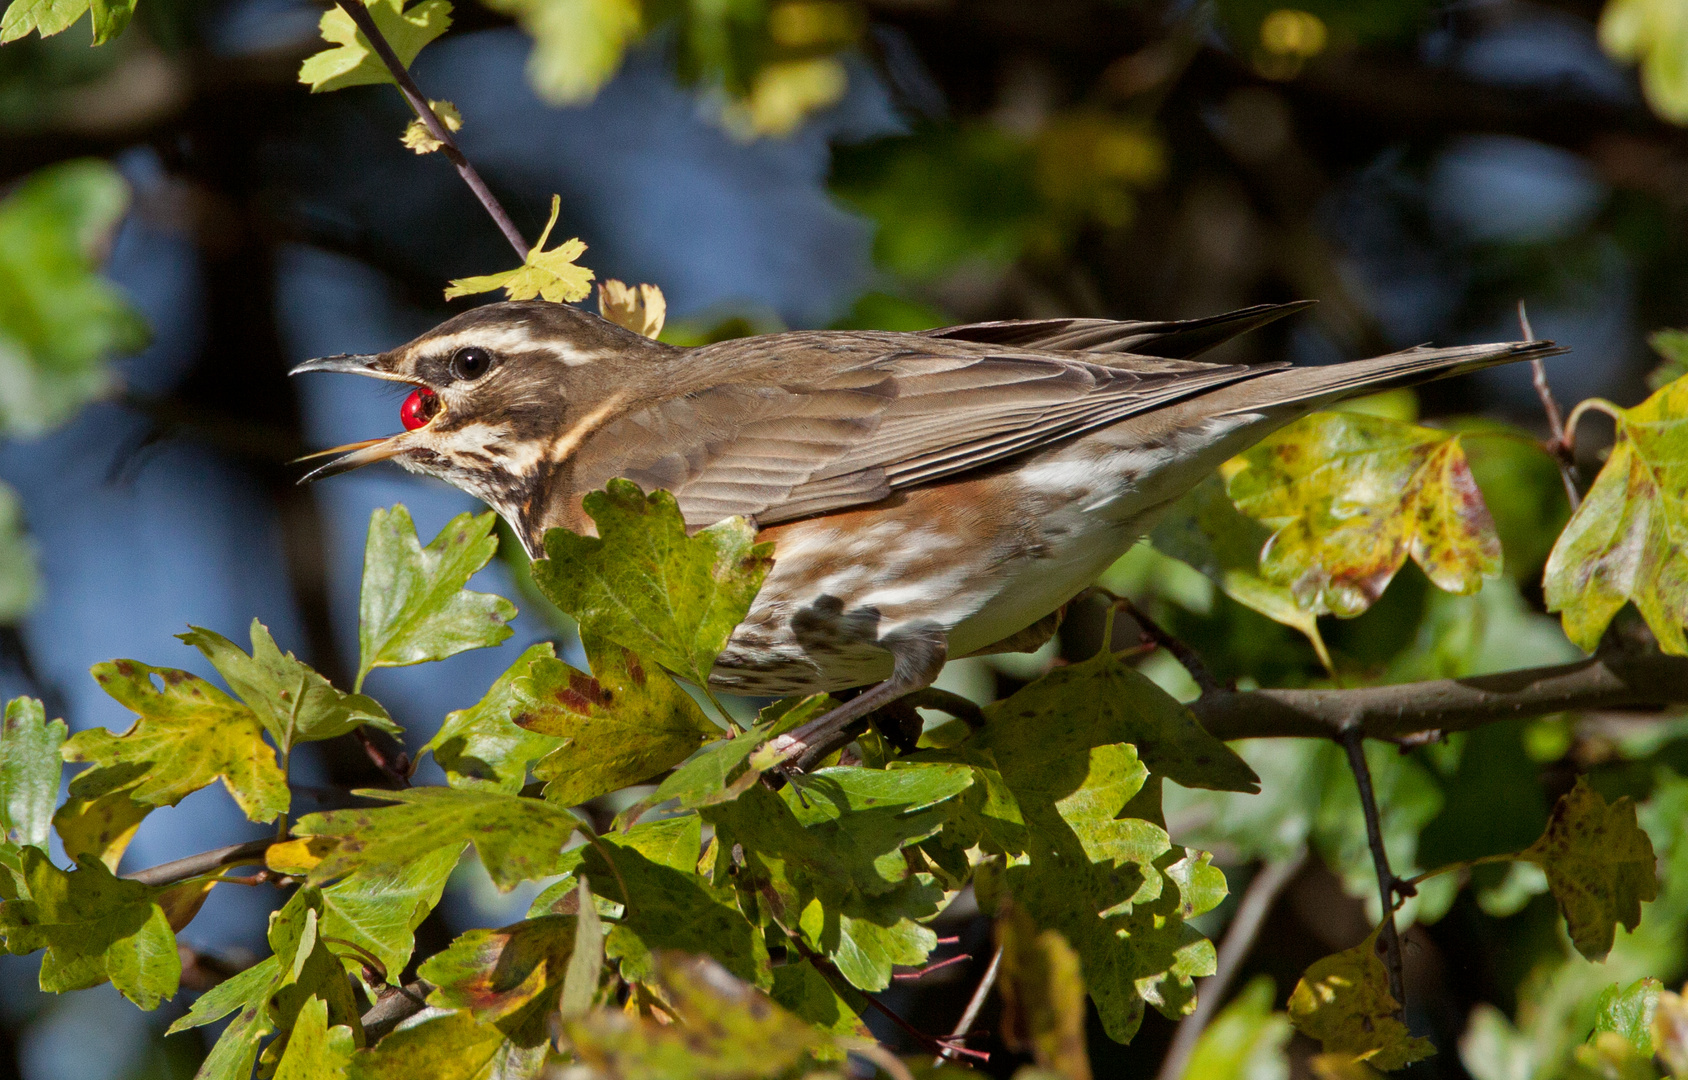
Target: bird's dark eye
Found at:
470, 363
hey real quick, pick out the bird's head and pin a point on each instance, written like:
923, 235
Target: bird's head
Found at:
494, 390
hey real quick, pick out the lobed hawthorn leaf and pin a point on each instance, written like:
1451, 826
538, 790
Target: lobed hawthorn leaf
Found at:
294, 703
60, 321
379, 911
1624, 543
413, 607
551, 275
1245, 1041
517, 839
188, 735
723, 1029
450, 1046
1069, 808
801, 989
1600, 866
315, 1051
642, 582
672, 906
622, 724
419, 140
307, 968
831, 852
94, 927
1349, 497
639, 308
49, 17
29, 772
1628, 1011
511, 978
351, 60
482, 747
1042, 995
1344, 1002
99, 828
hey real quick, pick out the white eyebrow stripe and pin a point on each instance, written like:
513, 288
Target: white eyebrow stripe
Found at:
503, 339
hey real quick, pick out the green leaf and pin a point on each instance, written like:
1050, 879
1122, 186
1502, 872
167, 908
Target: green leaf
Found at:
1245, 1041
1349, 497
99, 828
49, 17
586, 962
1628, 1011
517, 839
808, 994
294, 703
1084, 860
510, 977
20, 571
1600, 866
315, 1051
724, 1030
622, 724
235, 1052
642, 582
1205, 530
482, 747
577, 44
455, 1046
726, 768
551, 275
307, 967
1042, 995
189, 733
1522, 488
29, 772
60, 321
244, 989
1624, 543
1654, 34
379, 911
352, 61
831, 850
414, 607
1344, 1002
94, 927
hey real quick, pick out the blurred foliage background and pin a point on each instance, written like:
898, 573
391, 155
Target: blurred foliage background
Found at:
181, 221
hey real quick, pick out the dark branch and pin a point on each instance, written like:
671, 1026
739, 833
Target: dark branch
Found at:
1395, 712
204, 863
1557, 444
396, 1005
424, 112
1354, 744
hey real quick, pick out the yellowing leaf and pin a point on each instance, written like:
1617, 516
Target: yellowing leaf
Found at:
1245, 1041
552, 275
783, 93
1626, 541
1042, 995
1344, 1002
1653, 33
189, 734
352, 60
101, 827
639, 308
420, 140
1599, 865
315, 1051
577, 44
1350, 497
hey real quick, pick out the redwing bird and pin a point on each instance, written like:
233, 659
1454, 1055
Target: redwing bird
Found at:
928, 495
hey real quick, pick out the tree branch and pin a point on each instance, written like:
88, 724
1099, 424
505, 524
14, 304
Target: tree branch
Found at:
204, 863
1354, 744
1405, 709
424, 112
1557, 445
396, 1005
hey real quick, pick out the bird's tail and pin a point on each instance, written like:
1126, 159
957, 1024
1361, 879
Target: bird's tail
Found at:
1316, 387
1178, 339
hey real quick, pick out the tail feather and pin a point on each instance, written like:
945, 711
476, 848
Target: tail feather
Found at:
1316, 387
1171, 340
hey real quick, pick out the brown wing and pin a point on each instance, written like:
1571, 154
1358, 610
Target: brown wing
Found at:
781, 452
1176, 338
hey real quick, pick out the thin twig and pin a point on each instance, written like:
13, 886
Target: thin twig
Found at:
1557, 444
1354, 743
204, 863
938, 965
1239, 940
974, 1005
424, 112
1181, 652
396, 768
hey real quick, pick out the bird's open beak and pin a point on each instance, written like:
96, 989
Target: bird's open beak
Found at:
350, 364
353, 456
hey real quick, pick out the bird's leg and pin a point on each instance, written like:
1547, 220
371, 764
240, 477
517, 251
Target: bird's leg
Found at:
916, 658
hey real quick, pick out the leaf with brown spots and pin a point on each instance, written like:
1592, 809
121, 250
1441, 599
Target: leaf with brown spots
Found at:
1626, 541
1600, 866
413, 607
518, 839
189, 734
481, 746
29, 772
511, 977
1344, 1002
1349, 497
642, 582
625, 725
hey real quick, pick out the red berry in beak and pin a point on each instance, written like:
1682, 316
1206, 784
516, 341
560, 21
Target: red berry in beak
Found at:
418, 408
